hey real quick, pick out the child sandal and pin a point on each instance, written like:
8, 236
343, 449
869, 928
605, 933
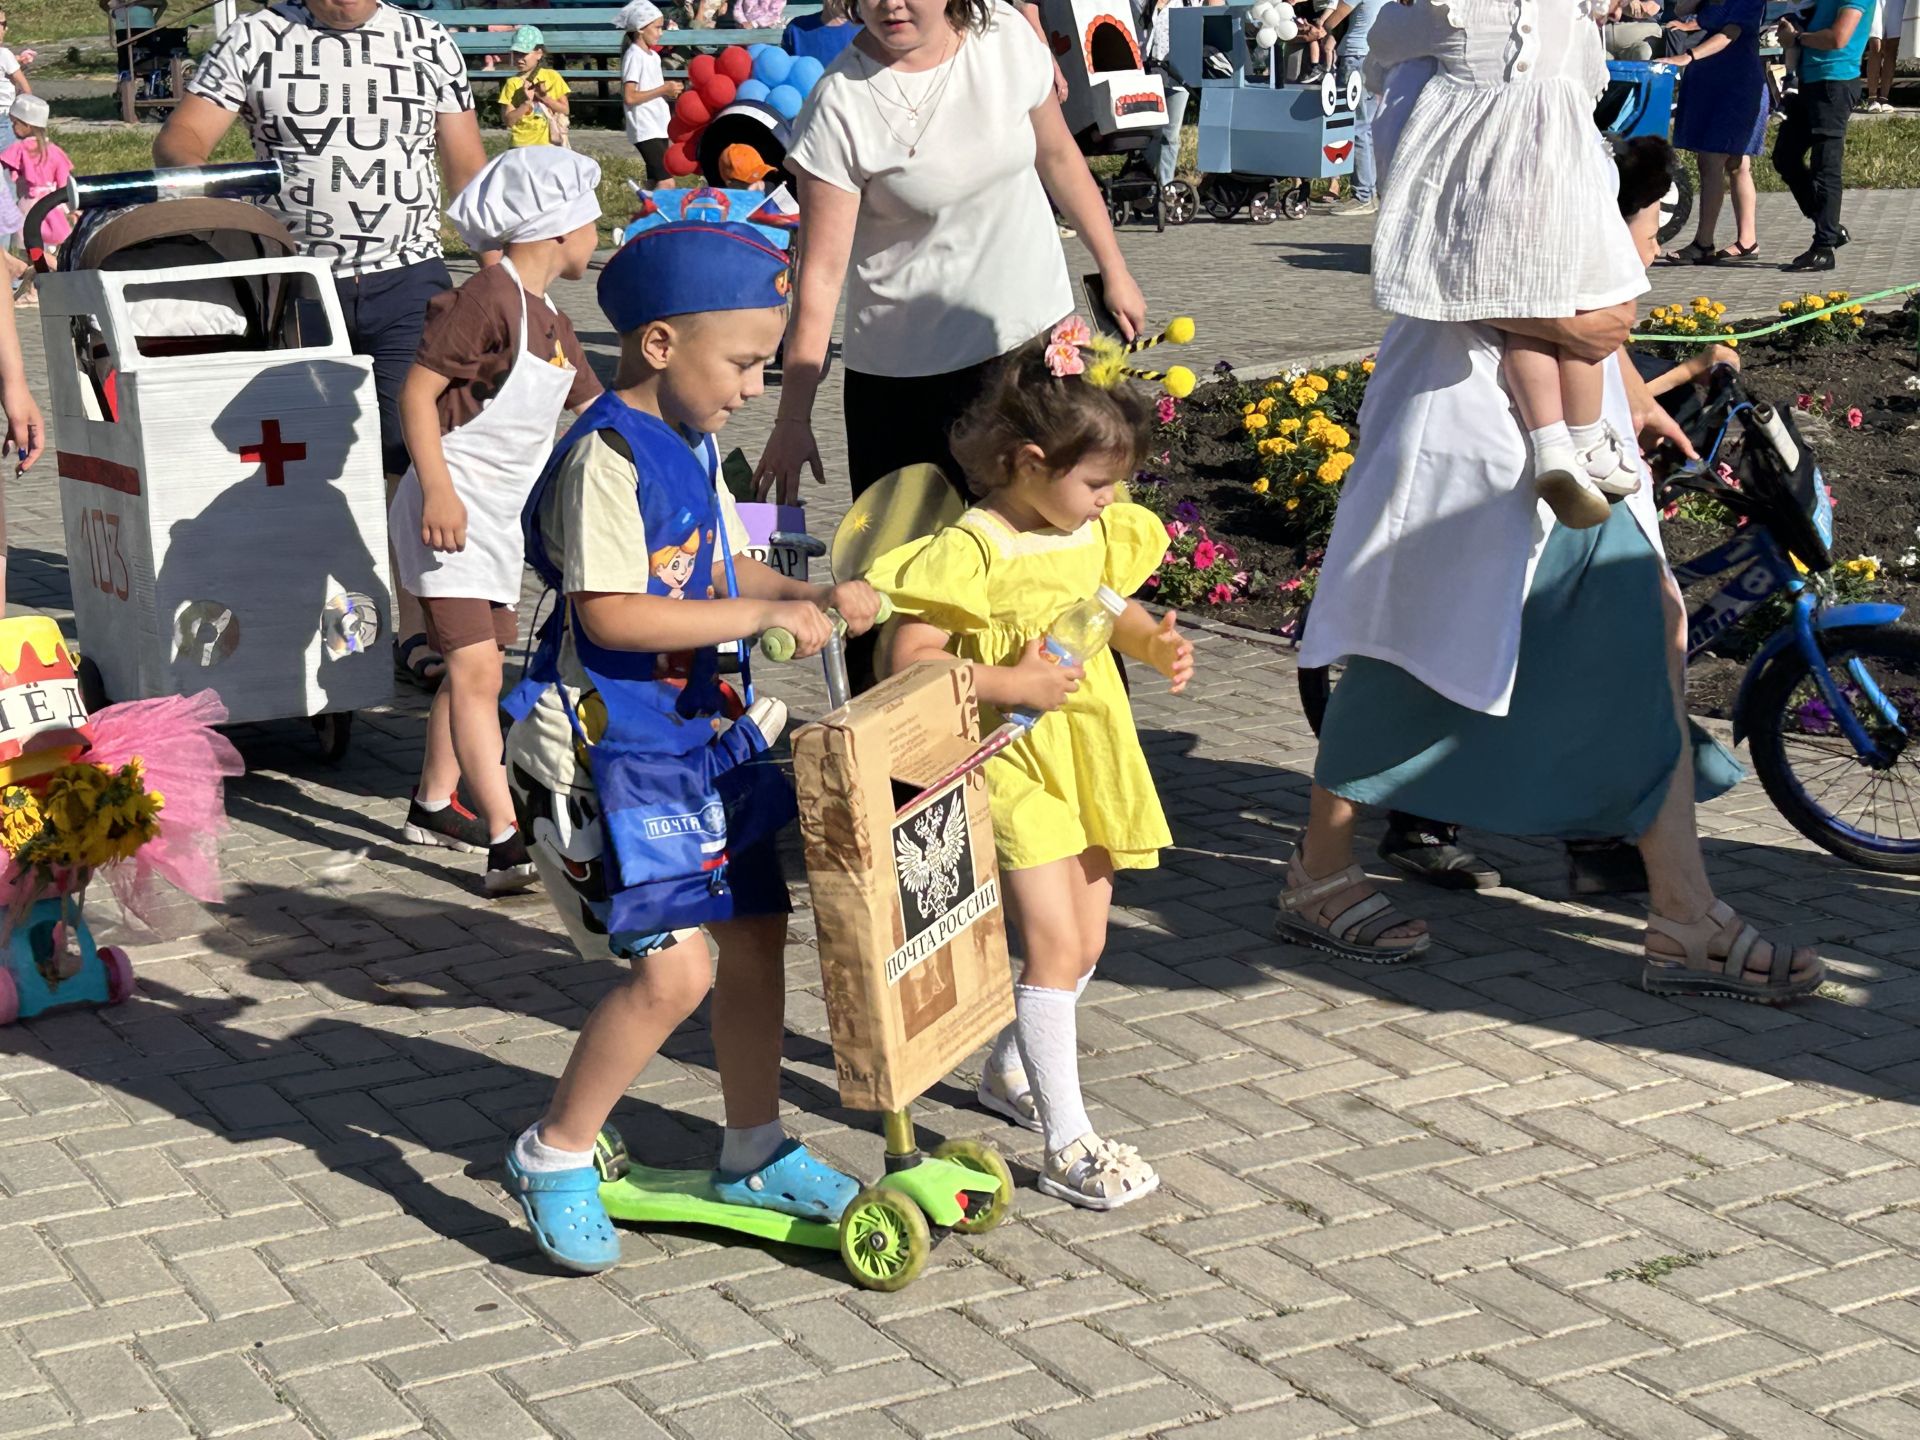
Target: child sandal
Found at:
1015, 1105
1355, 932
795, 1182
1713, 960
1097, 1174
564, 1212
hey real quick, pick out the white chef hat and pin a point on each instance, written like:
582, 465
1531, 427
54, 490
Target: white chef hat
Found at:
535, 192
637, 15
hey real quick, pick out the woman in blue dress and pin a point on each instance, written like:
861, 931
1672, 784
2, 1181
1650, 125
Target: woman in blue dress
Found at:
1722, 118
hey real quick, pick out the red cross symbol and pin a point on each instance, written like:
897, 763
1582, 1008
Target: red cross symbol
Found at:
272, 453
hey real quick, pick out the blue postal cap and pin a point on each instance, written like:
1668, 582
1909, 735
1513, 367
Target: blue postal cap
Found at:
693, 251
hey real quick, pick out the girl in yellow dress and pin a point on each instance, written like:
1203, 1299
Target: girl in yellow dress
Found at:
1047, 447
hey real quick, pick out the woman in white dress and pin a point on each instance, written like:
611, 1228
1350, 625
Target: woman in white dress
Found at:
1501, 207
1505, 671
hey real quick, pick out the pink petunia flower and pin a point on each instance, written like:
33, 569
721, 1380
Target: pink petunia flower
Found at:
1220, 595
1803, 402
1166, 409
1293, 584
1175, 529
1854, 418
1204, 554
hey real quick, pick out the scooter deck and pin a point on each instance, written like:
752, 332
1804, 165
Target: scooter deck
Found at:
686, 1197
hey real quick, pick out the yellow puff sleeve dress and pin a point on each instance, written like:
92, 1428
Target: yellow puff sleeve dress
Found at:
1079, 778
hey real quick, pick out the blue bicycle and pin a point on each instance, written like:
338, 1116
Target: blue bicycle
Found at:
1830, 703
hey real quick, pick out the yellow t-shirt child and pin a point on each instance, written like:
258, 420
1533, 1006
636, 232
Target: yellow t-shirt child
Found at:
531, 128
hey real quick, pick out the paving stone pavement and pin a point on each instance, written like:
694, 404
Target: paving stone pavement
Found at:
1501, 1192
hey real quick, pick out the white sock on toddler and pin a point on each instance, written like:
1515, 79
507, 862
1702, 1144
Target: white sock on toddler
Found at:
1549, 437
1049, 1045
750, 1147
1003, 1060
537, 1157
1586, 437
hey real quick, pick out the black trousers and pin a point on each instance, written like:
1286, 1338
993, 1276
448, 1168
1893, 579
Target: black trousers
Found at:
894, 421
1810, 148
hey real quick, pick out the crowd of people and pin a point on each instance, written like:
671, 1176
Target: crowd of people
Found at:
1544, 699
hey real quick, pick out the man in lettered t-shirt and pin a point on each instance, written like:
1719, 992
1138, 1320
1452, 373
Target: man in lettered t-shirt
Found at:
356, 99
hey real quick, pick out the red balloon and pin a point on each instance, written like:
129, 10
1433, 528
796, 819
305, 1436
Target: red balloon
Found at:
736, 64
718, 92
691, 109
678, 161
678, 129
700, 69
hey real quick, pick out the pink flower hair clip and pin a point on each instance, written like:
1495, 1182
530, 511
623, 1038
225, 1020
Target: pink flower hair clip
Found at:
1064, 356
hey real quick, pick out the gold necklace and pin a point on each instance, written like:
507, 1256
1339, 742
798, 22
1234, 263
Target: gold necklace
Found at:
929, 102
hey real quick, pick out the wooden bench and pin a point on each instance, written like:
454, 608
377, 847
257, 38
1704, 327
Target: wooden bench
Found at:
578, 32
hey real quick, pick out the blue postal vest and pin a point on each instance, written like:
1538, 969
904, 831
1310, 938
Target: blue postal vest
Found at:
680, 789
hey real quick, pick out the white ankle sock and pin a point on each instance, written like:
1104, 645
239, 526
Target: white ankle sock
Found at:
1049, 1046
1585, 437
1555, 434
537, 1157
748, 1148
504, 836
432, 805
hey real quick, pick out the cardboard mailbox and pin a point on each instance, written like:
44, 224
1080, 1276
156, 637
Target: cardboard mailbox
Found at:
912, 933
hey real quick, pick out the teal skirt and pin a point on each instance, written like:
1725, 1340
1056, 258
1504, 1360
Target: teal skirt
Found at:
1589, 743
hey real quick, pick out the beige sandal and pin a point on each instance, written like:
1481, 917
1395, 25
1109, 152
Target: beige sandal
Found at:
1714, 951
1354, 933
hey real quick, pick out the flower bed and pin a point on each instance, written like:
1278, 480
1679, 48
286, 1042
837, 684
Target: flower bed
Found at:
1251, 471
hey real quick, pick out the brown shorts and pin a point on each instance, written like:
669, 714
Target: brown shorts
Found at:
456, 622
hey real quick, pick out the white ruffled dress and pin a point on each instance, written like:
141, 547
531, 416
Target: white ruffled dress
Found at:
1501, 202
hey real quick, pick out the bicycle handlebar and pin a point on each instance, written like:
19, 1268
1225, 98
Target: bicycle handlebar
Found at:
779, 644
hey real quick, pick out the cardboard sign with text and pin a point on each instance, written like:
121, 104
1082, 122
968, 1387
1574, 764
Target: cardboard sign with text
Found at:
763, 522
913, 936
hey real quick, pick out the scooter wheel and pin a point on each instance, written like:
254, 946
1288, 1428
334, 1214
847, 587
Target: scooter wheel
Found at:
988, 1161
9, 996
884, 1239
120, 982
610, 1154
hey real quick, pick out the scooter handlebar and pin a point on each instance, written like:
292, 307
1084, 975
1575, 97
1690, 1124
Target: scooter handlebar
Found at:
779, 645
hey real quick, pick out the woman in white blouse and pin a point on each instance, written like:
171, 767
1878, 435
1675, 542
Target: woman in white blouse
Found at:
924, 159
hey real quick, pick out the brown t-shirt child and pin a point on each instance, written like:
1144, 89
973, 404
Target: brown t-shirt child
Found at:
472, 337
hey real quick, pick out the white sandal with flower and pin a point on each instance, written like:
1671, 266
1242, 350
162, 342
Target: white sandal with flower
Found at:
1098, 1174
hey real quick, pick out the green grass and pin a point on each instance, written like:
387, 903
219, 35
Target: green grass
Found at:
35, 22
1649, 1272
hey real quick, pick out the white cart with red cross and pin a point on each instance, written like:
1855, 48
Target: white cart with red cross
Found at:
218, 451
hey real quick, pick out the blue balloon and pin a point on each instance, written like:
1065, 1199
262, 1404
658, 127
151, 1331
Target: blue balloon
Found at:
786, 100
752, 90
805, 73
771, 68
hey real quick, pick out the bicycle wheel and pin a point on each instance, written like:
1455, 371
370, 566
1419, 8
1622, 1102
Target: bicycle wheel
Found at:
1863, 810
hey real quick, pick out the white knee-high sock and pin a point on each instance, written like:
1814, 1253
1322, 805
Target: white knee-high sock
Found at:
1003, 1060
1049, 1044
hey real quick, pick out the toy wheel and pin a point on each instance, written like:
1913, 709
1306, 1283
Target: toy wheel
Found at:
93, 690
9, 997
1263, 206
1293, 202
335, 733
610, 1154
988, 1161
120, 982
1180, 202
884, 1239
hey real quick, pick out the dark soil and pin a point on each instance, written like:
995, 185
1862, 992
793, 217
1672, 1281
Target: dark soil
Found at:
1874, 472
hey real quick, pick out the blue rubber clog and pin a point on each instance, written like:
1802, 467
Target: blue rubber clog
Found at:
794, 1182
564, 1212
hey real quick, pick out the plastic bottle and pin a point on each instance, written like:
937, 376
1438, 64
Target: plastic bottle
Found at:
1078, 635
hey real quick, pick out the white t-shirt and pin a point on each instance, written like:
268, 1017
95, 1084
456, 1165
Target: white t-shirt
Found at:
641, 66
351, 115
9, 67
956, 258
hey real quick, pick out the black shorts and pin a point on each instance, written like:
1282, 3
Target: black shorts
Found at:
385, 313
654, 153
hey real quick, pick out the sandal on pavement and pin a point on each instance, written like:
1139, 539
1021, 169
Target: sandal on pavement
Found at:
416, 661
1097, 1174
1355, 929
795, 1182
1692, 253
1716, 958
564, 1212
1017, 1105
1737, 253
1432, 854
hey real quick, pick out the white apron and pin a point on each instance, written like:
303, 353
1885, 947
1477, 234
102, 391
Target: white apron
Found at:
494, 459
1439, 529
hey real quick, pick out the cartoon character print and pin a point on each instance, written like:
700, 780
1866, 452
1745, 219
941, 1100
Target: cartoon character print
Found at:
566, 827
706, 203
673, 566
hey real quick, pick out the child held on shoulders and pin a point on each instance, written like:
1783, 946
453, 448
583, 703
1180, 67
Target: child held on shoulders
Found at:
498, 362
1499, 206
1046, 447
623, 720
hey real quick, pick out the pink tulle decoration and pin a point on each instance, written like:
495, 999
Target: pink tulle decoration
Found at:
188, 762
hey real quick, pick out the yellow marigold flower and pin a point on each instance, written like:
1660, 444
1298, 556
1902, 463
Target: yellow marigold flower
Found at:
1366, 367
1337, 438
1659, 312
1328, 473
1854, 309
1731, 342
1293, 502
1824, 318
1690, 326
1266, 405
1836, 295
1260, 486
1718, 309
1341, 375
1787, 307
1274, 386
1255, 422
1248, 408
1318, 382
1290, 424
1858, 323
